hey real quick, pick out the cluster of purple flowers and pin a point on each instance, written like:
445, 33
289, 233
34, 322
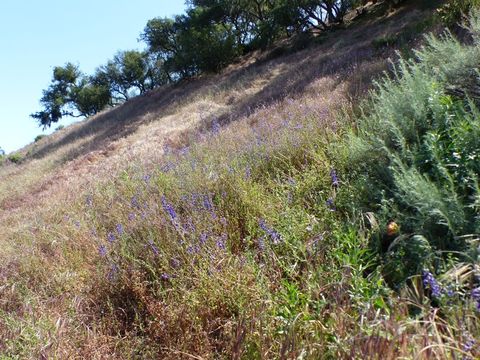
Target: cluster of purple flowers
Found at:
168, 208
154, 248
102, 250
429, 282
215, 127
146, 178
134, 203
334, 177
272, 233
112, 274
89, 200
331, 204
476, 297
469, 344
110, 237
120, 230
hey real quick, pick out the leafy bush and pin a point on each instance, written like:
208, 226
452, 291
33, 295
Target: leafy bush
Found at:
415, 157
452, 11
39, 137
15, 158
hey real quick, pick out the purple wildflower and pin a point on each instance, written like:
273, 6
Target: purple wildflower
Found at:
273, 234
153, 247
167, 149
248, 173
77, 224
102, 250
203, 238
169, 209
476, 297
110, 237
476, 294
89, 200
331, 204
450, 291
207, 203
131, 217
431, 283
221, 244
261, 243
189, 226
215, 127
147, 178
112, 274
120, 229
175, 263
334, 177
134, 202
469, 344
165, 276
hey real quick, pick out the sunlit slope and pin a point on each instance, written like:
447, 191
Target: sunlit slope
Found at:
137, 131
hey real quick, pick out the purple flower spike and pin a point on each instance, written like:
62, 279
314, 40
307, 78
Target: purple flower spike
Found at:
89, 201
431, 283
120, 230
221, 244
112, 274
165, 276
102, 250
331, 204
155, 250
334, 177
203, 238
476, 297
110, 237
169, 208
272, 233
469, 344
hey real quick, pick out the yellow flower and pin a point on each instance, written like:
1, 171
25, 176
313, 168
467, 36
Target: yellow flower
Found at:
392, 228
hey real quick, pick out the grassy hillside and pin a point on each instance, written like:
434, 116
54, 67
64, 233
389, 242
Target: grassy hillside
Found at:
271, 211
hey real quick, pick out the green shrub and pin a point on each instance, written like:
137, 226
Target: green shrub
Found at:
60, 127
452, 11
415, 156
39, 137
15, 158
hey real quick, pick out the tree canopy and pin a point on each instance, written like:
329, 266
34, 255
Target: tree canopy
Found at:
209, 36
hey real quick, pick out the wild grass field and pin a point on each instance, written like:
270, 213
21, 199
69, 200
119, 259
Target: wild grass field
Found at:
296, 206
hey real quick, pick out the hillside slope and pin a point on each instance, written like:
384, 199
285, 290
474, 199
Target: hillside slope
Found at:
207, 219
138, 130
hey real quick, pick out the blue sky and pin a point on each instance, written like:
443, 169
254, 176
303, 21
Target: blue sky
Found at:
35, 36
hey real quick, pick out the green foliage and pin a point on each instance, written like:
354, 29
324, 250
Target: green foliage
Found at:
453, 10
215, 32
15, 158
191, 44
39, 137
422, 129
70, 94
129, 73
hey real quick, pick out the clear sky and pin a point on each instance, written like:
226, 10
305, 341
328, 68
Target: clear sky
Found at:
36, 35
